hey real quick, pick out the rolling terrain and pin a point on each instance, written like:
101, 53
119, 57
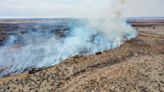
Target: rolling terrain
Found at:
136, 66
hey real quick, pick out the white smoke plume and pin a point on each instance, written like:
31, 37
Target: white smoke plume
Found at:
86, 35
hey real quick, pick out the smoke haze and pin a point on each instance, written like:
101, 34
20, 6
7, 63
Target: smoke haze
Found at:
94, 29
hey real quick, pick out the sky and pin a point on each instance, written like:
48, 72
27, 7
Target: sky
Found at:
80, 8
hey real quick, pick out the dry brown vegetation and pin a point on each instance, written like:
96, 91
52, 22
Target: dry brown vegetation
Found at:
136, 66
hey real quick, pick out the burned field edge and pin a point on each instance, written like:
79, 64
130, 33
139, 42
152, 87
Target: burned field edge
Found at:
146, 44
18, 27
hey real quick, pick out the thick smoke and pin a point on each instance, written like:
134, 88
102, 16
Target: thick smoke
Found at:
85, 35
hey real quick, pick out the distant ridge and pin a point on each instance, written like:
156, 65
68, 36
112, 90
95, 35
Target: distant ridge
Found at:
32, 20
135, 21
139, 21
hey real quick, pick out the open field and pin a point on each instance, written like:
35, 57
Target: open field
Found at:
136, 66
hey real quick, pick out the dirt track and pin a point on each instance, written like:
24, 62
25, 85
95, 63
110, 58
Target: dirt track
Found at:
136, 66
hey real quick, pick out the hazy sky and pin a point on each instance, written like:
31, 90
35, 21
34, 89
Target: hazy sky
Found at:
68, 8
